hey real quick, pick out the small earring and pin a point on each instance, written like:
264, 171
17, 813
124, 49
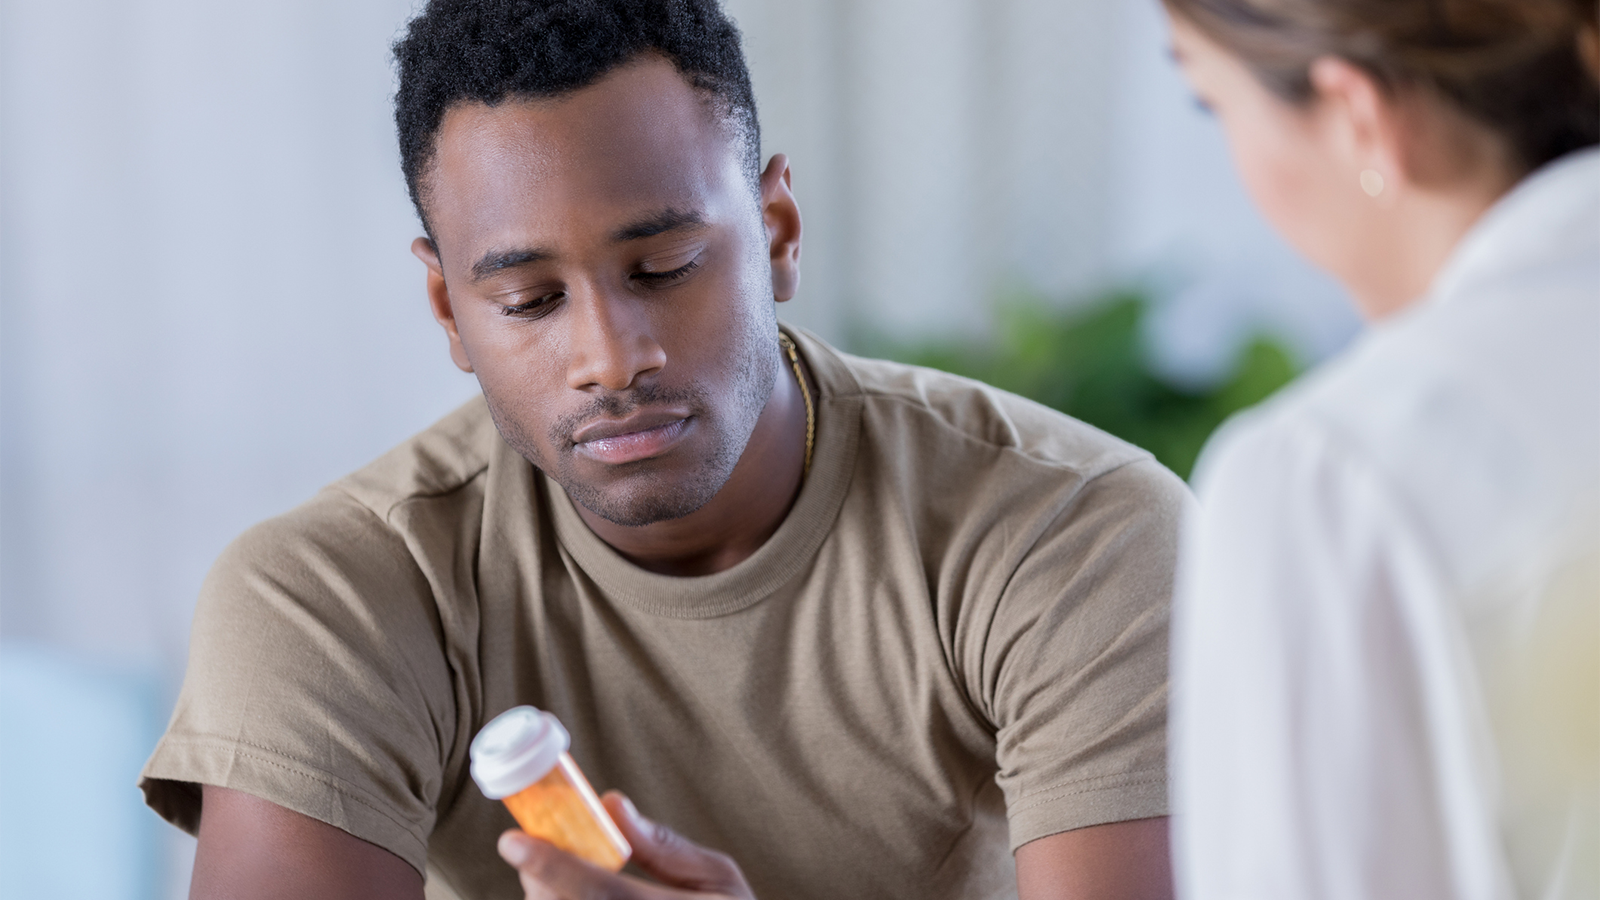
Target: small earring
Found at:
1371, 182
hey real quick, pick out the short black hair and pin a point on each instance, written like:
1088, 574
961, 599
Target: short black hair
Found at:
492, 50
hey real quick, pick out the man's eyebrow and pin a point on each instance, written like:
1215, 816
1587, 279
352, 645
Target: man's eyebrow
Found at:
660, 223
497, 260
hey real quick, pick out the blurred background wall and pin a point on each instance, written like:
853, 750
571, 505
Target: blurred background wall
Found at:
208, 308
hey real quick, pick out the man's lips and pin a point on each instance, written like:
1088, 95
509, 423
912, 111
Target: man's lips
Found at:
639, 436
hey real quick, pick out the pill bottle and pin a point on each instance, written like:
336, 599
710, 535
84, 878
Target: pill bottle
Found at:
521, 757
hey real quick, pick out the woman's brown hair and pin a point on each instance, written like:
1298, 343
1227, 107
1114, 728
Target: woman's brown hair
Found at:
1522, 68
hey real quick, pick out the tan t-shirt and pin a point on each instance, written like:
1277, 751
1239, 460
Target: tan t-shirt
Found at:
962, 624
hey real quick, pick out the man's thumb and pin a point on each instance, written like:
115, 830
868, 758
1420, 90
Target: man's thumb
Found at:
670, 857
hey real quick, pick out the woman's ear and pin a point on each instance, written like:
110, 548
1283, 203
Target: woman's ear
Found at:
1366, 132
781, 215
1589, 49
439, 300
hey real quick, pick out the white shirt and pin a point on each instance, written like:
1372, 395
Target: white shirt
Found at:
1386, 657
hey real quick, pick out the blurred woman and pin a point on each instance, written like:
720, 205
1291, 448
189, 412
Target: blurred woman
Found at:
1387, 638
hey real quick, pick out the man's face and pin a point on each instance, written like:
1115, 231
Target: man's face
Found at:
602, 267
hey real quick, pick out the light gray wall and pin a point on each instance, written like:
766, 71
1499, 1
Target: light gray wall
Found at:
942, 150
949, 152
209, 308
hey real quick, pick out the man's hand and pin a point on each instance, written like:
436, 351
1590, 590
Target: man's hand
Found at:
685, 870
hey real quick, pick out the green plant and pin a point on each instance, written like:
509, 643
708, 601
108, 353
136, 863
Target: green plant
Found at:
1090, 362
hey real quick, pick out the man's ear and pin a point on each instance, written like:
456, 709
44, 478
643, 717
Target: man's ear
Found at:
439, 300
781, 215
1367, 129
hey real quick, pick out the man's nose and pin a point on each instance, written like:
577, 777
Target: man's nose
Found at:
613, 343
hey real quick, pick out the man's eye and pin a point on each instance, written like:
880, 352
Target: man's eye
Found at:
659, 279
534, 306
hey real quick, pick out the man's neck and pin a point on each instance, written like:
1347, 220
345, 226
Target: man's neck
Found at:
743, 514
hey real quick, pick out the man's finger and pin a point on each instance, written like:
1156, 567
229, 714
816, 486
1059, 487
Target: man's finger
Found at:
672, 858
548, 873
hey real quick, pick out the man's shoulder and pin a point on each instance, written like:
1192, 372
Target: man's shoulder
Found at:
443, 458
967, 417
355, 516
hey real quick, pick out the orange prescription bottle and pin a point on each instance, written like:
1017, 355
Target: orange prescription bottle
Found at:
521, 757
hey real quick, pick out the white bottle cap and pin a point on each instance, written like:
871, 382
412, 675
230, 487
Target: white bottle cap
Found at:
516, 749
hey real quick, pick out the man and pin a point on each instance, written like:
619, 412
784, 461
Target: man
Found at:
861, 627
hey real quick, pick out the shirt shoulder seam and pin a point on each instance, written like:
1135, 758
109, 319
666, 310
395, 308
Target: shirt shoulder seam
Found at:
385, 511
1114, 443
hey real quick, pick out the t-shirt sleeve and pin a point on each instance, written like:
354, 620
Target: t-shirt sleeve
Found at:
1317, 716
315, 681
1075, 659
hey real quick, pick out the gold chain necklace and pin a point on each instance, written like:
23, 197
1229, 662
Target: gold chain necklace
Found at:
811, 412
